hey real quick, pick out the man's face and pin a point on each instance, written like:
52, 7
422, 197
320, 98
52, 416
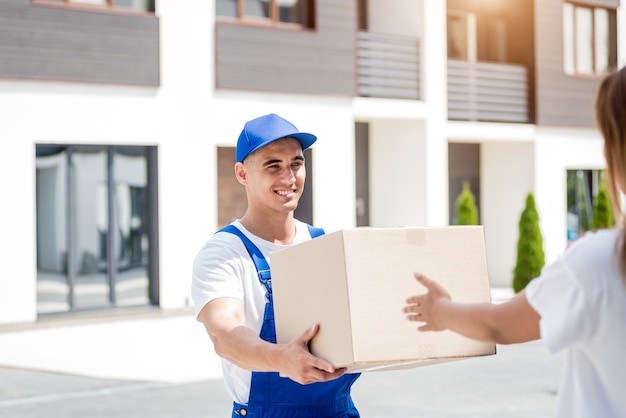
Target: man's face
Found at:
274, 176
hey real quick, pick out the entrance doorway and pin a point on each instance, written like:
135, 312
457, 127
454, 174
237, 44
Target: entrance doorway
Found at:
362, 167
463, 166
96, 227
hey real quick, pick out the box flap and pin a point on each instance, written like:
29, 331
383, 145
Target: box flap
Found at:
310, 287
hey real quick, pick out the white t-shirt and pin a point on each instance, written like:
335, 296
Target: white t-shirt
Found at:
223, 268
582, 302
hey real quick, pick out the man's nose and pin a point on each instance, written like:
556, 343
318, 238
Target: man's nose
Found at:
288, 173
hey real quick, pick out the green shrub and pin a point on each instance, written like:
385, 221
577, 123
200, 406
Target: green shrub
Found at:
530, 256
465, 205
602, 215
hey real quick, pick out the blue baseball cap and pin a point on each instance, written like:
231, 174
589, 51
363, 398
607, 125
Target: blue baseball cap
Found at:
261, 131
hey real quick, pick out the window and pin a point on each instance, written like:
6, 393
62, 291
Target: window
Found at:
497, 40
362, 15
461, 34
589, 39
96, 227
298, 12
583, 189
131, 5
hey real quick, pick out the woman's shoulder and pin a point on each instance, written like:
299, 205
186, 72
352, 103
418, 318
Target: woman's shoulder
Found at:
595, 241
593, 258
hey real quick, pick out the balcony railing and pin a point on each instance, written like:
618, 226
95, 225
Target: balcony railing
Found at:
481, 91
388, 66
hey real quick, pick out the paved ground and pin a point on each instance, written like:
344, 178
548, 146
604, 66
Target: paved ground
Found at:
164, 366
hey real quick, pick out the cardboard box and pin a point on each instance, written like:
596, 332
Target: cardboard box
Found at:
354, 283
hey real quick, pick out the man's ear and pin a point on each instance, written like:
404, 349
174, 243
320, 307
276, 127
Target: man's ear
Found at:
241, 173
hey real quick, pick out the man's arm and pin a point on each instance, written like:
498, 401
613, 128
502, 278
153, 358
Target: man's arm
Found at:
224, 321
514, 321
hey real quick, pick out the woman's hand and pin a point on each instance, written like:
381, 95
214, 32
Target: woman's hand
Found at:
427, 307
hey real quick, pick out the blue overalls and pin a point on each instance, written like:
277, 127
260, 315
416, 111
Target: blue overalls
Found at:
275, 396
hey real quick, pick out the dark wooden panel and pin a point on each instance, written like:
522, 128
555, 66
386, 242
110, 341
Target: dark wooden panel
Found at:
562, 100
320, 61
388, 66
231, 195
64, 44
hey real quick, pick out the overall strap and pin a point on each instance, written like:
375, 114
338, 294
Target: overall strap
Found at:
262, 268
315, 232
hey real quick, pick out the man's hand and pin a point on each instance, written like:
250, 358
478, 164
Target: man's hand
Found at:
303, 367
224, 320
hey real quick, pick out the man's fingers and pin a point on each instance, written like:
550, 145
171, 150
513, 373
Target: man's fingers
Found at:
308, 335
325, 375
316, 362
316, 375
322, 365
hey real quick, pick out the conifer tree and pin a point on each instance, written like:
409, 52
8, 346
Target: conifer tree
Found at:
466, 210
530, 255
602, 215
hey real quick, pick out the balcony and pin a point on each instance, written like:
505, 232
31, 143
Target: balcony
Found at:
388, 66
489, 92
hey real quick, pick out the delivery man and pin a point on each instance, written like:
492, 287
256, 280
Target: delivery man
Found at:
231, 286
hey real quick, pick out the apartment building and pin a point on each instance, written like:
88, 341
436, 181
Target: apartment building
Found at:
121, 118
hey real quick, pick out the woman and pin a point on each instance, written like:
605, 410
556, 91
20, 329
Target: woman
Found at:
577, 305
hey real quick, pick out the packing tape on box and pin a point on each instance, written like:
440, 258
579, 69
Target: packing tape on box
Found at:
415, 237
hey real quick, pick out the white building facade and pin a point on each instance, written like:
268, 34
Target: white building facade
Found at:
111, 186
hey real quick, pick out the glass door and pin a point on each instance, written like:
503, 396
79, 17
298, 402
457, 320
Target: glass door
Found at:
461, 35
89, 228
96, 227
130, 176
53, 289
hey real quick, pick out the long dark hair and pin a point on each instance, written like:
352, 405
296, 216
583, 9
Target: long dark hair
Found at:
610, 113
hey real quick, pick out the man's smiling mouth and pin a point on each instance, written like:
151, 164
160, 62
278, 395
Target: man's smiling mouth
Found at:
285, 192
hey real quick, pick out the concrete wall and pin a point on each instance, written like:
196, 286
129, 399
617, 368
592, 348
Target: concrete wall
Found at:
261, 57
556, 152
507, 176
398, 17
397, 173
